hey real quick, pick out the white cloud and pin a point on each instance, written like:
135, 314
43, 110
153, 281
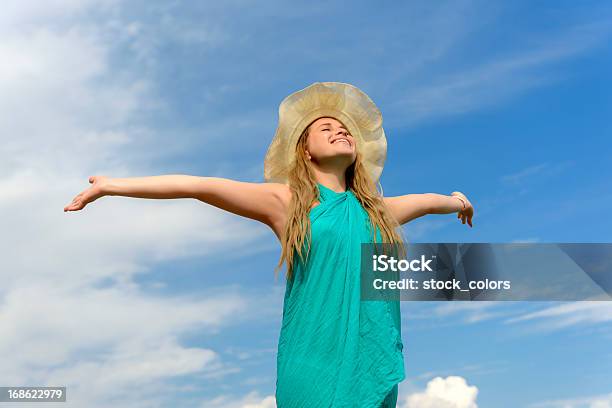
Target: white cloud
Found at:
452, 313
530, 171
251, 400
595, 401
422, 227
17, 13
102, 343
495, 81
268, 402
568, 314
449, 392
473, 369
68, 112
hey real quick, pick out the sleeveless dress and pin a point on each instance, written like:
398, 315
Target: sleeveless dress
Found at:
335, 350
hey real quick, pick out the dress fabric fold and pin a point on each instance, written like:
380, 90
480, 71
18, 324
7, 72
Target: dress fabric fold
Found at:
335, 350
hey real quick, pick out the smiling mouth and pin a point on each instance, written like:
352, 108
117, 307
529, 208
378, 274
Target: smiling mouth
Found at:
341, 140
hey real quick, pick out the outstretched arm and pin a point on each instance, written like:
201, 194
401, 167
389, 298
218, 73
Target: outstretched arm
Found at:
410, 206
264, 202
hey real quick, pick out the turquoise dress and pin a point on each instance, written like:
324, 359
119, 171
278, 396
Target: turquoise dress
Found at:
335, 350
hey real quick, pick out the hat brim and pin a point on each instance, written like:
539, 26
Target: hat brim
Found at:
342, 101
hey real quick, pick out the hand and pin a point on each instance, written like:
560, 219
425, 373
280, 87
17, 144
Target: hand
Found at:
94, 192
466, 213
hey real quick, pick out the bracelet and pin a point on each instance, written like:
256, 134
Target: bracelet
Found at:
462, 201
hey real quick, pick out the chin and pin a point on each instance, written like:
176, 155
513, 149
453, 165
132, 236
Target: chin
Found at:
344, 149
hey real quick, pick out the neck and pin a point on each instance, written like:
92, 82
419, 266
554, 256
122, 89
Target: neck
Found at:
335, 180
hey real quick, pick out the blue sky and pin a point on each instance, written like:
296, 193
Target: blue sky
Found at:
173, 302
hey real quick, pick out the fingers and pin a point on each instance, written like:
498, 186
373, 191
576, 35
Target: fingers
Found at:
80, 200
76, 204
74, 207
70, 207
465, 218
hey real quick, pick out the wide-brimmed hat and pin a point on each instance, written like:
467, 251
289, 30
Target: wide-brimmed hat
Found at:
346, 103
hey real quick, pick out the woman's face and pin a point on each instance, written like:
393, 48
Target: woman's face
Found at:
330, 142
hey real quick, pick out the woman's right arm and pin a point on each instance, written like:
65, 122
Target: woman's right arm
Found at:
264, 202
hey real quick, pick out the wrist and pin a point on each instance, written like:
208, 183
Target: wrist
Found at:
463, 203
108, 188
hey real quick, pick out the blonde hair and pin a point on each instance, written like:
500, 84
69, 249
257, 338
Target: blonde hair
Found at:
304, 191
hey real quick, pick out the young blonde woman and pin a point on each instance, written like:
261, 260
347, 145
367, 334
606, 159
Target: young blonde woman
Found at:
320, 199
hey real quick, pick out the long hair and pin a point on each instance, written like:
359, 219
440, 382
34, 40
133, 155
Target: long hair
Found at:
303, 185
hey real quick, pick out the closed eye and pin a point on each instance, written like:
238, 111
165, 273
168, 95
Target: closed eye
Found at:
346, 132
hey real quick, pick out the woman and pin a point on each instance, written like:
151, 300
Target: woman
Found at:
321, 201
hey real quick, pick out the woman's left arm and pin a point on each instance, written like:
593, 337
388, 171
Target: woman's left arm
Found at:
410, 206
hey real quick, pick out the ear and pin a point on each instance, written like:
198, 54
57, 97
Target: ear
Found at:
308, 155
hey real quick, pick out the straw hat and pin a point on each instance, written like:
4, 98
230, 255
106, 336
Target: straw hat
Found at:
346, 103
